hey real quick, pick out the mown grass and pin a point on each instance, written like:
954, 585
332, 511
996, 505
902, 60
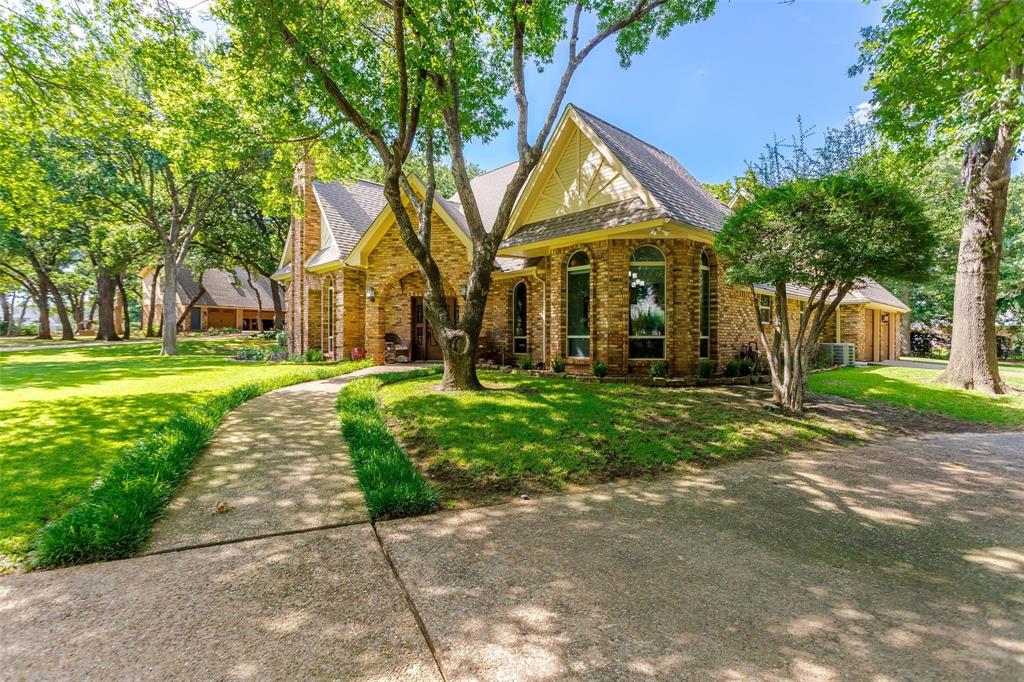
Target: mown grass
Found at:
69, 413
540, 434
917, 389
391, 484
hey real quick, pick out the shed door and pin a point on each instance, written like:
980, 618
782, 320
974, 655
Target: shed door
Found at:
196, 322
869, 335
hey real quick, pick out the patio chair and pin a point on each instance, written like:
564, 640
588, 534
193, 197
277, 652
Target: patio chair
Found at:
395, 349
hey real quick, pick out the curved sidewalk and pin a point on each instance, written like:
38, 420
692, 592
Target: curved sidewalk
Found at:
277, 465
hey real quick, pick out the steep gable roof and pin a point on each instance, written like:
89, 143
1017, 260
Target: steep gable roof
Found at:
489, 189
682, 196
349, 209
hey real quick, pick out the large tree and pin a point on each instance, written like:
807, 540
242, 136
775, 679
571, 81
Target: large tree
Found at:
951, 75
825, 235
403, 73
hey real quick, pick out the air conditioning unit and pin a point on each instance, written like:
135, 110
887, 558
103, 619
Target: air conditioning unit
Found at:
842, 353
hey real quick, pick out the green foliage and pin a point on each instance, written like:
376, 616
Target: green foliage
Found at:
945, 74
732, 368
116, 517
600, 369
391, 484
746, 366
705, 368
525, 362
313, 355
659, 369
558, 365
822, 359
828, 231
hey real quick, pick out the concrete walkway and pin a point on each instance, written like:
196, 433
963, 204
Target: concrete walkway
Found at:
278, 464
900, 560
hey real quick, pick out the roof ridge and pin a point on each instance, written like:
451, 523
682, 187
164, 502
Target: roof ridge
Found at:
626, 132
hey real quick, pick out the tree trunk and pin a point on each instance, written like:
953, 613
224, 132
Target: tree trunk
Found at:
275, 293
191, 304
169, 341
259, 300
43, 303
16, 330
105, 292
67, 331
152, 301
8, 311
126, 317
972, 359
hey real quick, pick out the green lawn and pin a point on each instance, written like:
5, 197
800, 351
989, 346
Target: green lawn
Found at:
547, 434
916, 389
68, 412
1012, 366
26, 341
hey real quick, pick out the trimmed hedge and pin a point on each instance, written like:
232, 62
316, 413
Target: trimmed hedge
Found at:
391, 484
116, 517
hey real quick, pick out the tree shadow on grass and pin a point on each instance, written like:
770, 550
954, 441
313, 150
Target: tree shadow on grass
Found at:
879, 384
543, 435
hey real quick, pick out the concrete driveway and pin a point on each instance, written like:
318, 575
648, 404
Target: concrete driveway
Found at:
886, 562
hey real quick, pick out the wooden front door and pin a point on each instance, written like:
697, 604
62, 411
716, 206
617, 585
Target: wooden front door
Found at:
424, 342
869, 335
883, 337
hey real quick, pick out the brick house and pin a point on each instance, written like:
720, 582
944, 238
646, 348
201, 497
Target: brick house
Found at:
608, 257
226, 300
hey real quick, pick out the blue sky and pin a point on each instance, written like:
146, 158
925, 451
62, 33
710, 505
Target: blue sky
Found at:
713, 93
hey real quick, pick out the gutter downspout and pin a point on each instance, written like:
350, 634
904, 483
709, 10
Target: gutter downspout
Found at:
543, 318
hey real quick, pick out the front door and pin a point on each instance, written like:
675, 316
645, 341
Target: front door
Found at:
424, 342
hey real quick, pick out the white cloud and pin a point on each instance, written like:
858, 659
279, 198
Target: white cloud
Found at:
863, 112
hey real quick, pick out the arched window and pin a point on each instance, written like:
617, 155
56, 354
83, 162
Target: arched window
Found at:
705, 306
519, 318
328, 316
647, 303
577, 323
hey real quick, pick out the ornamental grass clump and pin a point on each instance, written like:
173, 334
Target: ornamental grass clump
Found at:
391, 483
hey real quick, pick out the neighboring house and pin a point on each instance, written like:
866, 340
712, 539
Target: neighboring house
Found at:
608, 257
228, 300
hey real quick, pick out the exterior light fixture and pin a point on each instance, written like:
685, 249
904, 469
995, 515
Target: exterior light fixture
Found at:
463, 290
371, 293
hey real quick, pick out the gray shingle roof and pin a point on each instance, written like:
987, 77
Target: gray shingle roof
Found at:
868, 291
350, 209
680, 193
610, 215
224, 289
489, 188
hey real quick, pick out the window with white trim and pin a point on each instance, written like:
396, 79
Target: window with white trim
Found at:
705, 306
577, 309
329, 316
519, 318
647, 304
764, 309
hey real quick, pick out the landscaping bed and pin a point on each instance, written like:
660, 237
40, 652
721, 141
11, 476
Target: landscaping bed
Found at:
539, 434
77, 418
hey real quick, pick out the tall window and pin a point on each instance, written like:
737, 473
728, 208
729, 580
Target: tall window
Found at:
577, 323
705, 306
519, 318
647, 303
764, 309
328, 317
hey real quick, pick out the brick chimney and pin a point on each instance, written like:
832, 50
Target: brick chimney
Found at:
304, 292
